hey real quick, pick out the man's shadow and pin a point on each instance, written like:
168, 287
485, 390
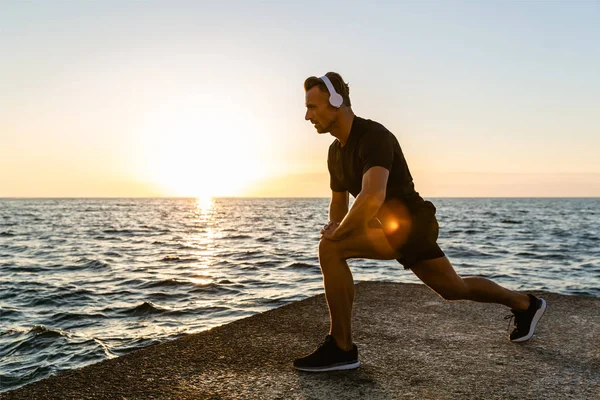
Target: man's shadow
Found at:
357, 384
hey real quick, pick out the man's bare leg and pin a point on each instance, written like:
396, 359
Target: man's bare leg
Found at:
369, 243
440, 276
339, 292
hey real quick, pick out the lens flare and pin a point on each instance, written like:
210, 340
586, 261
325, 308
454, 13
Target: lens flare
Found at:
397, 222
392, 226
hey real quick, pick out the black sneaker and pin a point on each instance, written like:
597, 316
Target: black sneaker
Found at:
525, 321
328, 357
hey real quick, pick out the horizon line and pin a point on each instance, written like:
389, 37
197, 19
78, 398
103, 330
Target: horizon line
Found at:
298, 197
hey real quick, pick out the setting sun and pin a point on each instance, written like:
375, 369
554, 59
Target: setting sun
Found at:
199, 151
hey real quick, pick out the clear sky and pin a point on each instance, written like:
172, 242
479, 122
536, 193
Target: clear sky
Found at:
127, 99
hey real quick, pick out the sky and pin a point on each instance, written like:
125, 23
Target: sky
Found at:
173, 98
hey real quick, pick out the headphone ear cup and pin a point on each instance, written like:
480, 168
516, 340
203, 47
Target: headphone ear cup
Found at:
336, 100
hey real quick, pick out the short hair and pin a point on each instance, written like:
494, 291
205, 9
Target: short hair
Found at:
338, 84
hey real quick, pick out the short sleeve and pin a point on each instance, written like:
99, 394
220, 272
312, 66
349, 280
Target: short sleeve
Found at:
376, 149
334, 183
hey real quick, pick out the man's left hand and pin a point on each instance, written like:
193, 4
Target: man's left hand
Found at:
330, 234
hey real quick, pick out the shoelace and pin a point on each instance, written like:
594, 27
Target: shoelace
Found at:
325, 343
518, 318
510, 319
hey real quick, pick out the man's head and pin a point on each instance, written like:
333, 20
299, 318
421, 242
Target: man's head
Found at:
318, 109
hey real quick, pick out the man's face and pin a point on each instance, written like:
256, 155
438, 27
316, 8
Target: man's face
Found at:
318, 110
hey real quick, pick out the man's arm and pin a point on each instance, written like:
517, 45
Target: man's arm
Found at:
338, 208
367, 203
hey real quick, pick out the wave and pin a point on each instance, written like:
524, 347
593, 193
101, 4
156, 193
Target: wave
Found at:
149, 308
589, 236
257, 283
179, 259
108, 238
212, 310
301, 266
511, 221
26, 268
165, 283
236, 237
209, 310
542, 256
184, 247
468, 253
561, 233
146, 308
213, 288
7, 234
589, 266
26, 375
265, 264
74, 291
17, 249
134, 282
56, 298
155, 229
124, 232
11, 332
249, 254
44, 302
9, 224
279, 300
9, 313
62, 317
41, 330
92, 263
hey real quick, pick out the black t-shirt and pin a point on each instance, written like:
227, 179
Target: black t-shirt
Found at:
371, 144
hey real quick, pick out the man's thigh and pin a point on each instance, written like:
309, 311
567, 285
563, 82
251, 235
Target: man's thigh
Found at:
366, 243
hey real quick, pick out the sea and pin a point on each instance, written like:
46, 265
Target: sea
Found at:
83, 280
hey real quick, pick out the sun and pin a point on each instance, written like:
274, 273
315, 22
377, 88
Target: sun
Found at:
202, 154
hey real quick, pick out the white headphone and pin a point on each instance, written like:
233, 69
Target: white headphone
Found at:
334, 98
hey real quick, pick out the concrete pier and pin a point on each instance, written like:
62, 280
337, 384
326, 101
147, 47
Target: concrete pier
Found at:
412, 345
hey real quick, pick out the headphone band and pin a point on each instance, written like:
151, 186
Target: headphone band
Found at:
334, 98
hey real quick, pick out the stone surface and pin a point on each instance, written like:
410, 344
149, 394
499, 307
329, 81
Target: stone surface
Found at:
412, 344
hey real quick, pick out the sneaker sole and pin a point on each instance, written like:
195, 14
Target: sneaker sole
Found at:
536, 318
333, 367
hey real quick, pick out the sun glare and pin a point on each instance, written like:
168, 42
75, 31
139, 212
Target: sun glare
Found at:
204, 203
201, 152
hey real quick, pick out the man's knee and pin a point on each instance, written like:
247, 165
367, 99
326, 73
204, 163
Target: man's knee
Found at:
329, 249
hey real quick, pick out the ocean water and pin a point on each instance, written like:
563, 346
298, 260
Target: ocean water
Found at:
83, 280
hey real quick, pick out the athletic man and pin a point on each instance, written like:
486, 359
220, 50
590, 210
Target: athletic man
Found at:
388, 220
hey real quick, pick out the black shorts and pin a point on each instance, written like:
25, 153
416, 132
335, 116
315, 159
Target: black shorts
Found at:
421, 242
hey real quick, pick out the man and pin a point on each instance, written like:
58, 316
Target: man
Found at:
388, 220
